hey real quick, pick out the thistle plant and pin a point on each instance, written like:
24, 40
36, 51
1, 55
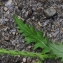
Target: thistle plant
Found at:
49, 49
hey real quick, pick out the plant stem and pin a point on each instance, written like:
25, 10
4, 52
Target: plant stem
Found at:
22, 53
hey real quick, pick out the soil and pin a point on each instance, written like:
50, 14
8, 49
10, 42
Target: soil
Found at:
32, 12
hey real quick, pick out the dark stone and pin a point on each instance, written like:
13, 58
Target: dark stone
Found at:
20, 7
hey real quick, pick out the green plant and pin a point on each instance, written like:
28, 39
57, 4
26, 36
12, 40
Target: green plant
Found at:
49, 49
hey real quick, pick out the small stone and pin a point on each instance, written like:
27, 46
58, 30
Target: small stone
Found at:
0, 41
39, 9
6, 28
6, 38
39, 24
9, 2
24, 59
61, 1
34, 61
20, 7
30, 12
13, 33
29, 47
5, 8
15, 3
19, 17
1, 26
50, 35
62, 29
8, 12
49, 12
28, 61
33, 18
1, 3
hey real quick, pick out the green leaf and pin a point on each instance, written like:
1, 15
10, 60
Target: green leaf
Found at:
45, 50
50, 50
31, 35
57, 49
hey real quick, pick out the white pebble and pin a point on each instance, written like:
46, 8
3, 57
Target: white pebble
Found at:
8, 3
24, 59
5, 8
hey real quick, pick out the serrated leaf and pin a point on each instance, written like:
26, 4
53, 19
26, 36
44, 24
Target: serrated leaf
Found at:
45, 50
31, 34
37, 45
29, 40
57, 49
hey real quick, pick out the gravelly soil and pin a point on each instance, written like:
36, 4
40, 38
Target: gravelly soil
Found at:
31, 11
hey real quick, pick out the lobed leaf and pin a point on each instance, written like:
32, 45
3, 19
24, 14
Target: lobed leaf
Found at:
31, 35
57, 49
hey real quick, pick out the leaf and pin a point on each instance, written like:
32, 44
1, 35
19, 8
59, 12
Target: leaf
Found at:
57, 49
45, 50
31, 35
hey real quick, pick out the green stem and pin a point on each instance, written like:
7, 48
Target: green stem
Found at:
25, 53
22, 53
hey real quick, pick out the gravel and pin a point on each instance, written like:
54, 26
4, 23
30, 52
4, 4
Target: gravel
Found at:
32, 12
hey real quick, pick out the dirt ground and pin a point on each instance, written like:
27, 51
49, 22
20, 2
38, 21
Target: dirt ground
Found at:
32, 12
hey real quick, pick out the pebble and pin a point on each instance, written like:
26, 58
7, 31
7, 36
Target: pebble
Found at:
30, 12
13, 33
19, 17
20, 7
61, 1
49, 12
1, 26
8, 12
62, 29
6, 28
29, 47
5, 8
50, 35
0, 40
39, 24
6, 38
34, 61
39, 9
8, 3
26, 14
24, 59
15, 3
1, 3
28, 60
33, 18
